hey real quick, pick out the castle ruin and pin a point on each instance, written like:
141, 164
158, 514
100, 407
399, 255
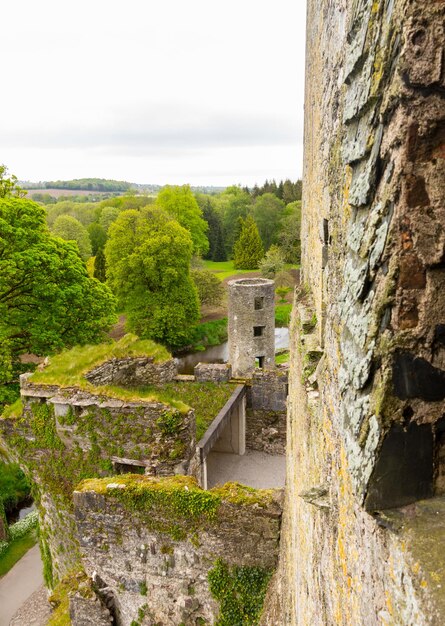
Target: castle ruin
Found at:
362, 541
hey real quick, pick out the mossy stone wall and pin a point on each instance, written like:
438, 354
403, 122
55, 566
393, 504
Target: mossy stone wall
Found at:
154, 542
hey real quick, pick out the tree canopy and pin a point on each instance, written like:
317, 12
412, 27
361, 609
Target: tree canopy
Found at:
216, 251
47, 299
232, 204
267, 213
180, 203
290, 235
148, 257
70, 229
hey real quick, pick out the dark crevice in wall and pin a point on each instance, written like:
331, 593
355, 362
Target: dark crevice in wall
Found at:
404, 469
414, 377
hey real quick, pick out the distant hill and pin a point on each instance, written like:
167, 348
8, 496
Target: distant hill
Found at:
80, 184
105, 185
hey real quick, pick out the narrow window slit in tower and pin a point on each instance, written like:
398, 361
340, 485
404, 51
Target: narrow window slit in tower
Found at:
259, 362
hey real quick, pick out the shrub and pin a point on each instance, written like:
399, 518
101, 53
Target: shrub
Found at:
210, 288
273, 262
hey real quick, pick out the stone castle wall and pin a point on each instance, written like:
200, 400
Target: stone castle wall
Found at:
132, 372
64, 435
145, 560
266, 411
363, 541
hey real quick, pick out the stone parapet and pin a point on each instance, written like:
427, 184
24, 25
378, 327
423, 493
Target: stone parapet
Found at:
133, 372
213, 372
147, 558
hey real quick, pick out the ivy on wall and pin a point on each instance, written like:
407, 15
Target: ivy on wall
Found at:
240, 592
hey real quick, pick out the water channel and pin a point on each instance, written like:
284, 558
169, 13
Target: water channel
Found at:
22, 509
220, 354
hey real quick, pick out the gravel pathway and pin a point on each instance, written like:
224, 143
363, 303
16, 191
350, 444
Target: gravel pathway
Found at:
18, 585
35, 611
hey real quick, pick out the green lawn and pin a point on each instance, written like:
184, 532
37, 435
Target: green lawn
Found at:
207, 399
16, 549
282, 314
282, 358
225, 269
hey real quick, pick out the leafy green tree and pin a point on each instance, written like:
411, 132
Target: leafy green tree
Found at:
217, 251
267, 213
100, 266
273, 262
108, 216
180, 203
210, 288
232, 204
47, 299
70, 229
98, 237
148, 257
290, 233
124, 203
8, 185
248, 250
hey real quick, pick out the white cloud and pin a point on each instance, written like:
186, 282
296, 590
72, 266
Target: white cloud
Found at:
195, 91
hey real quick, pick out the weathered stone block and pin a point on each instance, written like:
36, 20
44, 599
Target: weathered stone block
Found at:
213, 372
132, 372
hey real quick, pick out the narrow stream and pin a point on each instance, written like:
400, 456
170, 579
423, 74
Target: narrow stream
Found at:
220, 354
21, 511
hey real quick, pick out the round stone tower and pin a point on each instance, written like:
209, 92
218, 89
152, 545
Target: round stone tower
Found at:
251, 325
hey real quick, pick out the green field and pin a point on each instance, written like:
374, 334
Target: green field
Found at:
225, 269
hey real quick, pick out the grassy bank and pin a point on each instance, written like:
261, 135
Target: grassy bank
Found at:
23, 536
208, 334
282, 314
16, 549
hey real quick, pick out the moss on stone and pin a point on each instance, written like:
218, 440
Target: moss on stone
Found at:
70, 366
240, 592
70, 584
174, 505
13, 410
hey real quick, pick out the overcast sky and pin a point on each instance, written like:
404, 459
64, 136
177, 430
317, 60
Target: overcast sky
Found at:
168, 91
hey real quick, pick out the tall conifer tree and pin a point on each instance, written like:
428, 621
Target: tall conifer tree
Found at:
248, 249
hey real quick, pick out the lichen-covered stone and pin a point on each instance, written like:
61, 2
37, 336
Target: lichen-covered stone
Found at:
368, 425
